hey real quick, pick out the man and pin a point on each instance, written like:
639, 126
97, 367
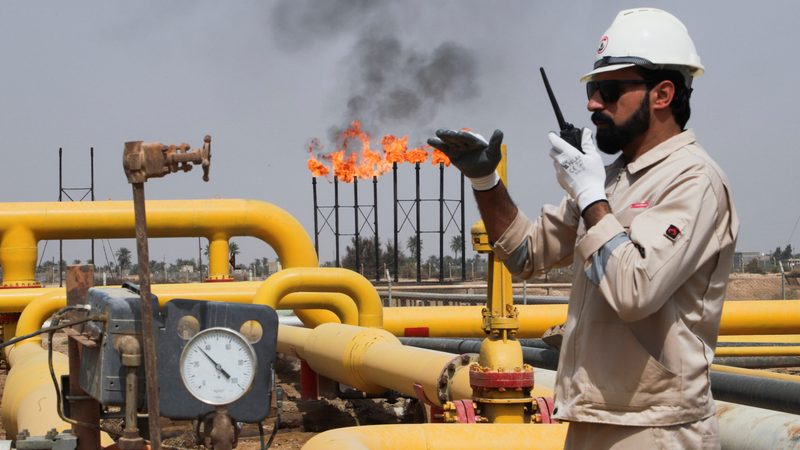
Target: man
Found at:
651, 239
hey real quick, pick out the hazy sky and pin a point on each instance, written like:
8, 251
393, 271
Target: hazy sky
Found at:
264, 77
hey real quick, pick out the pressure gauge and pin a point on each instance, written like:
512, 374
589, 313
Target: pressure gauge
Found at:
218, 366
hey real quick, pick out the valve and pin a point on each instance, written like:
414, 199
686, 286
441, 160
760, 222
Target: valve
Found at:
144, 160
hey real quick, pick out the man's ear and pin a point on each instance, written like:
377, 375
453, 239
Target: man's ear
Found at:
662, 95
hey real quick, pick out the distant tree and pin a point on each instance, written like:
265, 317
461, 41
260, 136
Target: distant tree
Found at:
366, 256
411, 245
455, 244
123, 259
753, 266
265, 264
76, 262
431, 266
787, 252
387, 257
233, 250
777, 253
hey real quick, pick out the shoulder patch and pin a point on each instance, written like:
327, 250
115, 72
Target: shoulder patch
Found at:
672, 232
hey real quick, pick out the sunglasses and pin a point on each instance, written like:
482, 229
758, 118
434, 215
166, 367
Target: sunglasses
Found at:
610, 90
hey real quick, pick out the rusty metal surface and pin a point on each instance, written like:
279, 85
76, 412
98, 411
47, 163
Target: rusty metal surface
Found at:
80, 338
144, 160
79, 279
148, 338
84, 409
748, 428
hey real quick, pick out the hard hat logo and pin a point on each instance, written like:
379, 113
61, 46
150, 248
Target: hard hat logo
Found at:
646, 37
603, 44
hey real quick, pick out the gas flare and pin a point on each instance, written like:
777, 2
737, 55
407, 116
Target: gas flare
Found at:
348, 162
317, 168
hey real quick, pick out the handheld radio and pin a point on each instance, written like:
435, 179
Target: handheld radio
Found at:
569, 132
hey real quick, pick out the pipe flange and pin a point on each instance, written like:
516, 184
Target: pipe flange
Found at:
6, 318
520, 378
219, 279
20, 285
449, 371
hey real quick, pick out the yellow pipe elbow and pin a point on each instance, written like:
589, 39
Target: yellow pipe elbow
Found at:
37, 311
15, 300
324, 279
29, 399
442, 436
339, 304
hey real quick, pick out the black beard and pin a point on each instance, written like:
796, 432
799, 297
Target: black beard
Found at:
612, 138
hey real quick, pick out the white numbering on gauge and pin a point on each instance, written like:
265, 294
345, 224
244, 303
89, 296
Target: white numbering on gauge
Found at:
218, 366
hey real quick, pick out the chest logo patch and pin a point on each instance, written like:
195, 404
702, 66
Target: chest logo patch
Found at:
672, 232
640, 205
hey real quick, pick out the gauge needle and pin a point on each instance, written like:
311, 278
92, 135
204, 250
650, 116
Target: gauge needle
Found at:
216, 366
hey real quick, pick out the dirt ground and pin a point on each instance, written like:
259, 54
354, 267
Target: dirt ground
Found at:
301, 420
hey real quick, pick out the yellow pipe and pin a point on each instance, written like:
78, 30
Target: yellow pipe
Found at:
34, 315
22, 225
785, 350
783, 338
15, 300
29, 400
767, 317
466, 321
371, 360
341, 305
17, 254
324, 279
756, 373
218, 251
763, 317
442, 436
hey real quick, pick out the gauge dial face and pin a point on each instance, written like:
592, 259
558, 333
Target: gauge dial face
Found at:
218, 366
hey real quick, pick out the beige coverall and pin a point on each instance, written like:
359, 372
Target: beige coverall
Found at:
646, 299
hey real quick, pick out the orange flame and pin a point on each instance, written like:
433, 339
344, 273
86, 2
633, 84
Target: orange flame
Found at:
417, 155
347, 162
437, 157
317, 168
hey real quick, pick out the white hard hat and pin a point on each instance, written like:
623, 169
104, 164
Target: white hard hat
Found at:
650, 38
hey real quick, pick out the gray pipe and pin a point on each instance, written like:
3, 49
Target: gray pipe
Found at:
768, 393
537, 357
758, 362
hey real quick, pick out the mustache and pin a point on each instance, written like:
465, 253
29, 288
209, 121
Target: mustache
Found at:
599, 118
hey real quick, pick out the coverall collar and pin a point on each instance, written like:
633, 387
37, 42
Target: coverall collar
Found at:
661, 151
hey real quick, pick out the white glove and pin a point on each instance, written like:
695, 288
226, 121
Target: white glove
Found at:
582, 175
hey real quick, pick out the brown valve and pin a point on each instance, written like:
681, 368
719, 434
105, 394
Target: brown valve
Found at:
145, 160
